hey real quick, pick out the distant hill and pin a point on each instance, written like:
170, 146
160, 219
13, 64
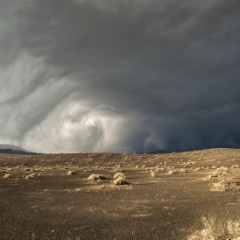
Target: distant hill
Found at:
10, 149
192, 149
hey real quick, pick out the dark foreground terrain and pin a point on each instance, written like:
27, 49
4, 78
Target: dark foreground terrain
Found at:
50, 196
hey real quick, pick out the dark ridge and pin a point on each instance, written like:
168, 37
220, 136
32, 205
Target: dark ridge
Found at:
13, 151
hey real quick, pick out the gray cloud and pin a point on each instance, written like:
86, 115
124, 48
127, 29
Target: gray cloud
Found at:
139, 75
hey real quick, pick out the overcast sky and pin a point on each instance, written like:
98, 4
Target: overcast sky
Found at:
122, 75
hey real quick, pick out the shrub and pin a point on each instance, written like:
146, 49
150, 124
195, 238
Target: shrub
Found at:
216, 230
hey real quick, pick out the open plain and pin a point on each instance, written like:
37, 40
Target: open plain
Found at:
159, 196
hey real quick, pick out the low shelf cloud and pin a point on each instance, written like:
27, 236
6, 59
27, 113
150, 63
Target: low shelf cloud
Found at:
119, 76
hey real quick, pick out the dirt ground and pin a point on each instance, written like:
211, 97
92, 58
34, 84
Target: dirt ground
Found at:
50, 197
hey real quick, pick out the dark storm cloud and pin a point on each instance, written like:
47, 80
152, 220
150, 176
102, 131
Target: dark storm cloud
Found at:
140, 75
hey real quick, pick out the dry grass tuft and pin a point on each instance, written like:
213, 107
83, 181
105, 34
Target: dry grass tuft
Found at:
94, 177
121, 181
119, 175
175, 171
214, 175
7, 175
218, 187
222, 171
196, 169
182, 170
71, 173
226, 182
153, 174
33, 175
216, 230
159, 169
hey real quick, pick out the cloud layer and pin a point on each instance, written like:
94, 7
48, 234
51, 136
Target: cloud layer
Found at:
125, 76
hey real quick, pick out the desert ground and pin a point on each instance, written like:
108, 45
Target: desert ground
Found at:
120, 196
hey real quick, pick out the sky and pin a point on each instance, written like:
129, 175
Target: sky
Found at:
119, 76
